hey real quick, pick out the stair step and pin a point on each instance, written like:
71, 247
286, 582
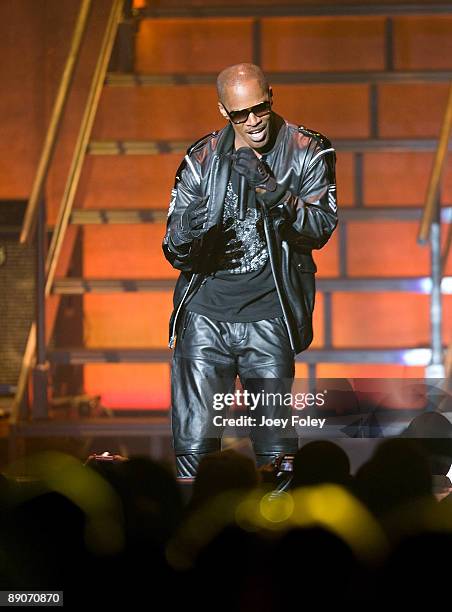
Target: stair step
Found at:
121, 216
93, 427
293, 10
411, 356
419, 284
285, 78
157, 147
82, 355
159, 215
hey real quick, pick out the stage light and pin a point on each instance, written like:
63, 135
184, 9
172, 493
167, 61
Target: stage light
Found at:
416, 357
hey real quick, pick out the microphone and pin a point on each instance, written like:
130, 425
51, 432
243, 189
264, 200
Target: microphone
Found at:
243, 199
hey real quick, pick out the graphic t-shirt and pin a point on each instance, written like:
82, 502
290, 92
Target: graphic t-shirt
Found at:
242, 288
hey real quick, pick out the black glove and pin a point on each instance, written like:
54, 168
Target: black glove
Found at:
258, 174
229, 248
256, 171
279, 203
191, 223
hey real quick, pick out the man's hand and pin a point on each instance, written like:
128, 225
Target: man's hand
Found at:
268, 192
191, 224
279, 203
229, 247
256, 171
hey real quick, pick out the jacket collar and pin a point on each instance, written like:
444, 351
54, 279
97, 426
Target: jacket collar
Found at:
225, 140
224, 147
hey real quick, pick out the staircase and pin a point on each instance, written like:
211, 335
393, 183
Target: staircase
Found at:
373, 78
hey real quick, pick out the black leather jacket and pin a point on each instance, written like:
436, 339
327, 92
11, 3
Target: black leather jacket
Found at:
303, 162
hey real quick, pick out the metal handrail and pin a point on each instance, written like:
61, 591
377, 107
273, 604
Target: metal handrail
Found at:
430, 231
48, 149
71, 187
82, 143
431, 201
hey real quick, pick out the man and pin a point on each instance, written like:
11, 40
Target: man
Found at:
249, 204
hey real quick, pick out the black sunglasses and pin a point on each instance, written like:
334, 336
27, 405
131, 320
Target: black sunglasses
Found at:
240, 116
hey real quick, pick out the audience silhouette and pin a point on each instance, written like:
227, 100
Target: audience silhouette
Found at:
235, 544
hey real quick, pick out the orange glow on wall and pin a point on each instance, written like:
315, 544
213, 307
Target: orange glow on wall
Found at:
157, 112
301, 370
192, 45
127, 320
402, 104
400, 179
126, 251
354, 370
344, 178
337, 110
144, 386
327, 258
384, 319
128, 181
312, 44
317, 322
387, 249
423, 42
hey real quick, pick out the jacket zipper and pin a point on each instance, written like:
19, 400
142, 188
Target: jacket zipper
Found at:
267, 236
173, 331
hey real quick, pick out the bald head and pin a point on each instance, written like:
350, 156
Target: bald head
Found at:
244, 87
238, 75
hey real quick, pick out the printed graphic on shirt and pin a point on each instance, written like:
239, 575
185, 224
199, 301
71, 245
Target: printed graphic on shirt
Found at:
250, 232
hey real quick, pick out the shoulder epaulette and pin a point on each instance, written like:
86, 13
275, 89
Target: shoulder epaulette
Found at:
320, 138
196, 145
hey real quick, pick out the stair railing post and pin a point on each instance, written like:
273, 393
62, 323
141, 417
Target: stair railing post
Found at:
436, 367
41, 367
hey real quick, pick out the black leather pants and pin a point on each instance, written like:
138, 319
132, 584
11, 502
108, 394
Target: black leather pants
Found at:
208, 357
